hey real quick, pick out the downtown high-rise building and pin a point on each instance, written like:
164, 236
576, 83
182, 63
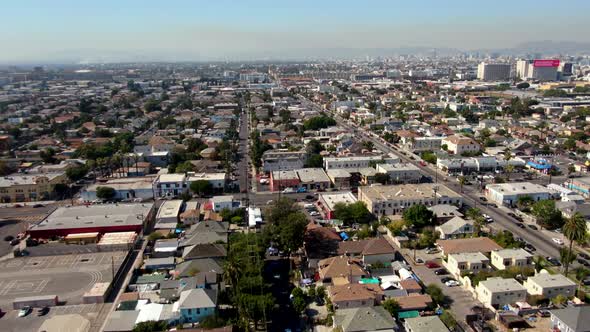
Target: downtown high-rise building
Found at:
493, 71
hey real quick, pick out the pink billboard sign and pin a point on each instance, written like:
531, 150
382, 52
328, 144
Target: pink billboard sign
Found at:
546, 63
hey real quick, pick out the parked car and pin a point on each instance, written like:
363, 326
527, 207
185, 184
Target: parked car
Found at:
14, 242
557, 241
419, 261
441, 272
483, 199
432, 265
8, 238
584, 256
520, 226
42, 311
452, 283
553, 261
431, 251
446, 279
24, 311
529, 247
533, 227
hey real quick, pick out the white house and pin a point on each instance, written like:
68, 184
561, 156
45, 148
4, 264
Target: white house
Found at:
220, 203
472, 262
454, 228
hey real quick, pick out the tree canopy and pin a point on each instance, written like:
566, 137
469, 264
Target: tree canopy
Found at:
318, 122
418, 216
352, 213
547, 215
105, 193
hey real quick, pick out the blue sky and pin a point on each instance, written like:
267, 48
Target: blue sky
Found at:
54, 30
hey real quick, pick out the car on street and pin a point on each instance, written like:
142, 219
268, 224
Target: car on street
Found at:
520, 226
483, 199
8, 238
584, 256
314, 213
42, 311
533, 227
14, 242
445, 279
419, 260
432, 265
431, 251
557, 241
553, 261
529, 247
441, 272
24, 311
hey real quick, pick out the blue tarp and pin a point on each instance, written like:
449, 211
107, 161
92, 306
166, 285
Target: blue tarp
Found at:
344, 236
539, 164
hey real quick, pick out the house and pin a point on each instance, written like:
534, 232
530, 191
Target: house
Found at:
498, 292
208, 250
320, 242
371, 319
410, 286
355, 295
192, 267
196, 304
340, 269
425, 324
414, 302
167, 217
550, 285
571, 319
459, 144
475, 244
470, 262
371, 251
454, 228
445, 212
506, 258
170, 185
190, 217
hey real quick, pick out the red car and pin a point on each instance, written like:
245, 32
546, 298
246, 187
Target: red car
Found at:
432, 265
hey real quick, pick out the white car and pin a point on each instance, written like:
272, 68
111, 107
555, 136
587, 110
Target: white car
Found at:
24, 311
558, 241
314, 213
452, 283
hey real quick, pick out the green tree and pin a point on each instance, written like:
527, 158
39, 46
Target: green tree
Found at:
314, 161
547, 215
150, 326
318, 122
574, 230
48, 156
436, 294
418, 216
105, 193
201, 187
559, 300
505, 239
392, 306
76, 173
524, 202
352, 213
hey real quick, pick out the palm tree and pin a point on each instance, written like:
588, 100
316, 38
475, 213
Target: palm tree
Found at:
508, 169
462, 181
539, 262
574, 230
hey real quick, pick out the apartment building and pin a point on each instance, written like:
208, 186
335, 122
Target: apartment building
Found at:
497, 292
550, 285
401, 173
470, 262
394, 199
419, 144
459, 144
506, 258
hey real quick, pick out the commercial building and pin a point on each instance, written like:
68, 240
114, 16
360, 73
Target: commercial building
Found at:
328, 201
493, 71
102, 218
550, 285
139, 188
354, 164
508, 193
498, 292
506, 258
401, 173
394, 199
313, 178
167, 217
580, 185
419, 144
170, 185
283, 159
470, 262
280, 180
217, 180
340, 178
28, 188
539, 69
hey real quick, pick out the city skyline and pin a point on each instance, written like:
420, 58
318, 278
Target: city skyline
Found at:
66, 31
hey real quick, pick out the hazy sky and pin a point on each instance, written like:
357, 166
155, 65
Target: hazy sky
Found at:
119, 30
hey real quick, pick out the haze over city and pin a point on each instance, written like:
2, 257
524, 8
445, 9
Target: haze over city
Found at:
114, 31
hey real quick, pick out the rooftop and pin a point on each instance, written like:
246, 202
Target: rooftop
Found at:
101, 215
426, 324
501, 285
469, 257
513, 253
312, 175
475, 244
332, 199
170, 209
520, 188
551, 280
406, 191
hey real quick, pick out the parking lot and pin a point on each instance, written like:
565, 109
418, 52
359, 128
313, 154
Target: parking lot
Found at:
68, 276
32, 322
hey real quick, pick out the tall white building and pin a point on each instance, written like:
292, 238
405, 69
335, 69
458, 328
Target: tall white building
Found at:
493, 71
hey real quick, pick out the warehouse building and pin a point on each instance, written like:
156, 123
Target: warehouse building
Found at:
102, 218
